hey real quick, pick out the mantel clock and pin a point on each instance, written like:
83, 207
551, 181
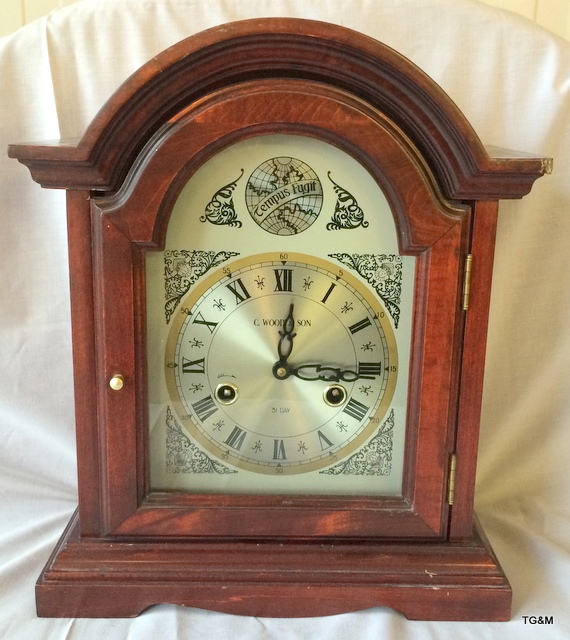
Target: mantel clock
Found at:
280, 236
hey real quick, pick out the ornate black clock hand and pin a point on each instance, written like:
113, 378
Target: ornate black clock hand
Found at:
285, 346
325, 373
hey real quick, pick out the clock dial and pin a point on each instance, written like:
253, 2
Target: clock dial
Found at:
281, 364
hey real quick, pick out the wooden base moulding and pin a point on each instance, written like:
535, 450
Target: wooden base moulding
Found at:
422, 580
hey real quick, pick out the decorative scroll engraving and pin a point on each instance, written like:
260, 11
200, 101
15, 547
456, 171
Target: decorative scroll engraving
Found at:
220, 210
383, 272
183, 268
347, 212
183, 456
373, 459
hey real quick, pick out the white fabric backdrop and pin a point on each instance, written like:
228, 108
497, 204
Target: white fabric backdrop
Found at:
512, 80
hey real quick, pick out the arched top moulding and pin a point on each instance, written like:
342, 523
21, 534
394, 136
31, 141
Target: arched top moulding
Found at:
281, 48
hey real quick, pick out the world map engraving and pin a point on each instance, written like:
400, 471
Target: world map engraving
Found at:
284, 196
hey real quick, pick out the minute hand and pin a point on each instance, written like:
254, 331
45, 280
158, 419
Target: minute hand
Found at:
285, 345
325, 373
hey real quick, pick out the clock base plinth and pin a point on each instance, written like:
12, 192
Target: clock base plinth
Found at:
87, 577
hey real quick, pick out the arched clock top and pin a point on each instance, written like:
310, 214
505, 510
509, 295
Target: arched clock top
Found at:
281, 48
421, 214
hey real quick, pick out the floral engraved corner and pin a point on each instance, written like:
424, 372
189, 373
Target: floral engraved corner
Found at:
373, 459
182, 269
347, 212
220, 210
183, 456
382, 272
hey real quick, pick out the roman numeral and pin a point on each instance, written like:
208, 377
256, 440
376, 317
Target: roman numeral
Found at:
204, 408
324, 441
199, 319
327, 294
369, 369
358, 326
279, 450
236, 438
356, 409
193, 366
284, 279
240, 295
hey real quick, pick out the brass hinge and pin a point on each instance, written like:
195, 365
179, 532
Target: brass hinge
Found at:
467, 281
451, 479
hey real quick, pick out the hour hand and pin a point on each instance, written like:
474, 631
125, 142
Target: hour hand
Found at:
324, 373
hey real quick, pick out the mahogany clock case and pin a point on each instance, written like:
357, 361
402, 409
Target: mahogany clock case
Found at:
130, 547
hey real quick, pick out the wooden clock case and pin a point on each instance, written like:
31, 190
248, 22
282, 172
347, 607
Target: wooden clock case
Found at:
128, 547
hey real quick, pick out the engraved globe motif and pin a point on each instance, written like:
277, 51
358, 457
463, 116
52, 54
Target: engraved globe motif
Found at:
284, 196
